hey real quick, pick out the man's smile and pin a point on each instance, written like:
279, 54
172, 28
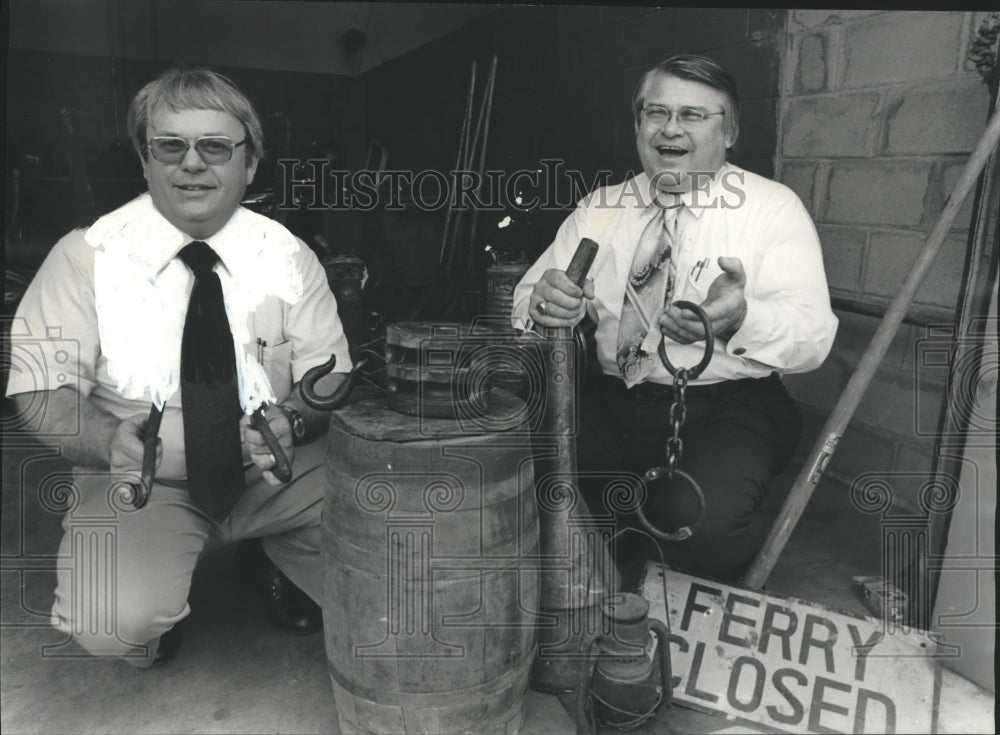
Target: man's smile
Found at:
194, 188
671, 151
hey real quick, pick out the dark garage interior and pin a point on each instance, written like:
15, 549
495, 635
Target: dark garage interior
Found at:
869, 116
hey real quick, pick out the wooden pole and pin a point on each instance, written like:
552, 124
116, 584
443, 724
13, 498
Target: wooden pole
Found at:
826, 445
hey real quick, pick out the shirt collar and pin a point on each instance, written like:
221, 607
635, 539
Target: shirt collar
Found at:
702, 198
151, 239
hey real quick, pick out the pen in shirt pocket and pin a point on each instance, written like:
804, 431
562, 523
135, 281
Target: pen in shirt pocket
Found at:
261, 344
697, 268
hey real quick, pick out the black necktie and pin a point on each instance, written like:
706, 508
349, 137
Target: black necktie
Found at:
209, 392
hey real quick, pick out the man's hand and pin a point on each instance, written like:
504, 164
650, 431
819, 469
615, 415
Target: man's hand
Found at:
127, 448
260, 454
725, 306
558, 302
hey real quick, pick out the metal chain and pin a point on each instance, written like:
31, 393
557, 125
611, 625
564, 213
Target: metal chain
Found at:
678, 413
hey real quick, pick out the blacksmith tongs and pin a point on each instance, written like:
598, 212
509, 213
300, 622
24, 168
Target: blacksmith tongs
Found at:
140, 492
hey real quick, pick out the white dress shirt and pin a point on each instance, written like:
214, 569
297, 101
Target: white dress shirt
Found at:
789, 325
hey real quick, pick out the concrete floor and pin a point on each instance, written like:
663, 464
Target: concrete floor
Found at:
234, 674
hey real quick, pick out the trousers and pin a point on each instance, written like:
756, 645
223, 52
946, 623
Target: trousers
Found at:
124, 575
737, 436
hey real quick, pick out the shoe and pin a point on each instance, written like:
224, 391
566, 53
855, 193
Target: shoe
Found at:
288, 608
170, 643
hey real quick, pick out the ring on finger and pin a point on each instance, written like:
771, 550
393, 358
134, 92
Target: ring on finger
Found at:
541, 307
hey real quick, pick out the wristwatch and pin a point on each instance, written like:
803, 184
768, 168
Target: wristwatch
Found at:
297, 423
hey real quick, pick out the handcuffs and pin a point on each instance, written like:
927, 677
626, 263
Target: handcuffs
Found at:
675, 446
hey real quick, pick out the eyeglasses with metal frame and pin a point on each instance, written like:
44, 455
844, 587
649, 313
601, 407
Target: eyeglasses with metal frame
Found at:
213, 149
686, 116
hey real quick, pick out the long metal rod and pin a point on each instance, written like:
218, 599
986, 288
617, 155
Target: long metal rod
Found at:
481, 168
463, 137
826, 445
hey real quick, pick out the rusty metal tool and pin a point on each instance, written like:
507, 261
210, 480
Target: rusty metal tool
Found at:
142, 491
578, 569
577, 269
282, 468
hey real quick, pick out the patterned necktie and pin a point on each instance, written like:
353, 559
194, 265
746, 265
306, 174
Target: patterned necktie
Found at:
209, 393
650, 285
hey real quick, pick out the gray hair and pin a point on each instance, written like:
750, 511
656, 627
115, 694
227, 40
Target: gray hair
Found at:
696, 69
194, 89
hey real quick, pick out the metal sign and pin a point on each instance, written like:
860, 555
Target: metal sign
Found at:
791, 665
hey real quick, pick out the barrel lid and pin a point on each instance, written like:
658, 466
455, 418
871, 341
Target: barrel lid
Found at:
369, 418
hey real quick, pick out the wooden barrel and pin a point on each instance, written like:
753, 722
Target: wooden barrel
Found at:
429, 536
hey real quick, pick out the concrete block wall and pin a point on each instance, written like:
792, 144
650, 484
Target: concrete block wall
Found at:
879, 111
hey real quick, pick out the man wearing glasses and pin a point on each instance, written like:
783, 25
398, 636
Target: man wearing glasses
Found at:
691, 227
136, 292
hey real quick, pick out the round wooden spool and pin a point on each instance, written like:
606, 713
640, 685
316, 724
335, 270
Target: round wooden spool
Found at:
438, 370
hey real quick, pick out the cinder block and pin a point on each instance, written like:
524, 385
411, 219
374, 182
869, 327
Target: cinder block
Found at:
950, 176
902, 46
843, 253
891, 256
811, 71
800, 177
878, 192
829, 126
943, 118
703, 29
649, 39
802, 19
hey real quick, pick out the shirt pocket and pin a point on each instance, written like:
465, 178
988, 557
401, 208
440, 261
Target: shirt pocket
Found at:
696, 278
277, 364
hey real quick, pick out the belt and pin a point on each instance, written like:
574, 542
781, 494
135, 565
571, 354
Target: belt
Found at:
662, 392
